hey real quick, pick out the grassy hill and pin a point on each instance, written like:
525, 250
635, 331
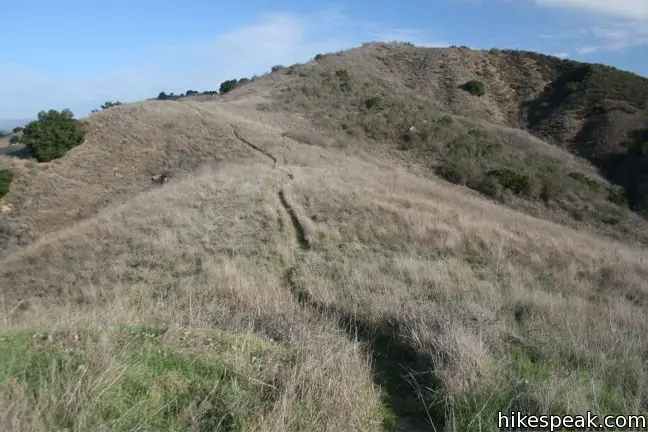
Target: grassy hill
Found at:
310, 268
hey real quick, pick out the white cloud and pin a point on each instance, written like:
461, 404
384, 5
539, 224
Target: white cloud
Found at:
615, 36
276, 38
610, 25
631, 9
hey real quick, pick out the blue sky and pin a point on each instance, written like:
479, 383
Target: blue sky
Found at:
78, 54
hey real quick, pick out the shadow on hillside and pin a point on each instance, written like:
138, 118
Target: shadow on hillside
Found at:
629, 170
405, 375
553, 99
401, 371
18, 151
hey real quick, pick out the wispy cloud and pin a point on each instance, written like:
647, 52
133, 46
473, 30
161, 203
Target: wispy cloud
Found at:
608, 26
629, 9
273, 38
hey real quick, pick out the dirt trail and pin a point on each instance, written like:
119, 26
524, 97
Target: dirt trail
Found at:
391, 355
254, 147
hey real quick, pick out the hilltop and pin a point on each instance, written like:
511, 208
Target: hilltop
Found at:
359, 242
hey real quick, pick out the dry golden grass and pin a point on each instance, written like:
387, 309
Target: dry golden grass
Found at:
475, 298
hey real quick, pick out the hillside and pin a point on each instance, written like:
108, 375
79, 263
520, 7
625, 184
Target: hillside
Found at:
598, 114
310, 268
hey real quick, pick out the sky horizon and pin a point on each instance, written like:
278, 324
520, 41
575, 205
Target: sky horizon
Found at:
79, 55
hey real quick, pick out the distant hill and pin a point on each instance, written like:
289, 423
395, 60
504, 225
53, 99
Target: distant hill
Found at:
8, 124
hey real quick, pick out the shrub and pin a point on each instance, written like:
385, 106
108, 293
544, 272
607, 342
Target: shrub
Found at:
490, 186
446, 120
319, 57
373, 101
494, 51
640, 149
518, 183
475, 144
616, 195
452, 173
14, 139
582, 178
228, 86
6, 177
110, 104
52, 135
163, 96
475, 87
278, 68
17, 129
550, 185
344, 79
191, 93
342, 75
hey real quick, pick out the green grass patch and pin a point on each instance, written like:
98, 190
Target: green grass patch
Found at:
6, 177
143, 378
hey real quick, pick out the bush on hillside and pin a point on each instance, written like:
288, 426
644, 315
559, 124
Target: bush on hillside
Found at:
109, 104
14, 139
445, 120
229, 85
617, 195
52, 135
475, 87
551, 184
452, 173
17, 129
640, 149
6, 177
582, 178
518, 183
319, 57
373, 101
489, 186
344, 78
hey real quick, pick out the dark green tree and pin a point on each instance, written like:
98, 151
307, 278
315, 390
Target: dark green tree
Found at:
17, 129
475, 87
228, 86
110, 104
52, 135
6, 177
